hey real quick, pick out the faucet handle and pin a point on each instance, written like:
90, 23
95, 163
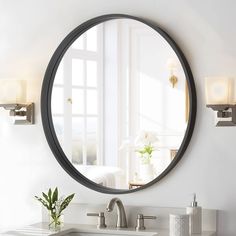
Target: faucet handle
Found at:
140, 221
101, 219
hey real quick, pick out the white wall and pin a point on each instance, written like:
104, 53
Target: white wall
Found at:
31, 31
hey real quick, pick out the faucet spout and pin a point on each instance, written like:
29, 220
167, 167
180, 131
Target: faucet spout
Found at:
121, 216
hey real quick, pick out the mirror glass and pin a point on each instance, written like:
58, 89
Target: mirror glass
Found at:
120, 104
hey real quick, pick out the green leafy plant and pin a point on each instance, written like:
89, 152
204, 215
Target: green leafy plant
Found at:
55, 205
146, 153
145, 144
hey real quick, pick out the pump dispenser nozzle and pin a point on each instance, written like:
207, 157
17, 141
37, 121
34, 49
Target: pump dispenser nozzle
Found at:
194, 202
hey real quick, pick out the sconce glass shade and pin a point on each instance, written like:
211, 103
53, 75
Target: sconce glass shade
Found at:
12, 91
218, 90
171, 64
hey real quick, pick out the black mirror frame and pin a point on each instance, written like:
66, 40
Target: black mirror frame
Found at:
46, 103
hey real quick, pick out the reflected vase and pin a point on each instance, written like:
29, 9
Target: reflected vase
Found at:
146, 172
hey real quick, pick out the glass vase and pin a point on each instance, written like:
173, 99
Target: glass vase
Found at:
56, 222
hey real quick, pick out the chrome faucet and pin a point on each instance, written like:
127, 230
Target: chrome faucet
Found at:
121, 216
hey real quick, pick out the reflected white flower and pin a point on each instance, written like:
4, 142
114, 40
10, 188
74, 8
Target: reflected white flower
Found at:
58, 204
146, 138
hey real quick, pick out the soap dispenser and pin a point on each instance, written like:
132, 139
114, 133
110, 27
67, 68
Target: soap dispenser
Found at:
195, 217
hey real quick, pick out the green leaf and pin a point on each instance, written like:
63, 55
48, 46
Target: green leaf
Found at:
66, 202
55, 195
43, 202
50, 197
46, 197
50, 194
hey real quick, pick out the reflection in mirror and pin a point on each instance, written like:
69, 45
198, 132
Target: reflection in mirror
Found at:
118, 116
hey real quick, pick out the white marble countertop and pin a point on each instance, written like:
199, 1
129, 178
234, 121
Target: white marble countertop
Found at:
41, 229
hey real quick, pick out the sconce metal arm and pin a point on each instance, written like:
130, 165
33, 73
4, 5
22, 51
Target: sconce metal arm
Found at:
25, 111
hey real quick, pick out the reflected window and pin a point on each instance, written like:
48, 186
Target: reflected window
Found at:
77, 72
92, 39
78, 86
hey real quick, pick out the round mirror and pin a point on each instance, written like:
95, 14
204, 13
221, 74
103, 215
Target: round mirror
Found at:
118, 104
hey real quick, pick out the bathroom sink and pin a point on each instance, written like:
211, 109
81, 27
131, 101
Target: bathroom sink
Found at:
87, 231
41, 229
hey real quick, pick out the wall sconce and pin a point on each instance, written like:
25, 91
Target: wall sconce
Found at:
13, 97
219, 97
172, 66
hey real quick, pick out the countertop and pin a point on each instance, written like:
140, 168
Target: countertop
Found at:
41, 229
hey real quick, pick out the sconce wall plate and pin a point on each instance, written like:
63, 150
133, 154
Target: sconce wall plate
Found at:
172, 65
23, 113
225, 111
173, 79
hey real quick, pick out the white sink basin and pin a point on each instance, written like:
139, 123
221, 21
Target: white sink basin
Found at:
41, 229
91, 231
78, 230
